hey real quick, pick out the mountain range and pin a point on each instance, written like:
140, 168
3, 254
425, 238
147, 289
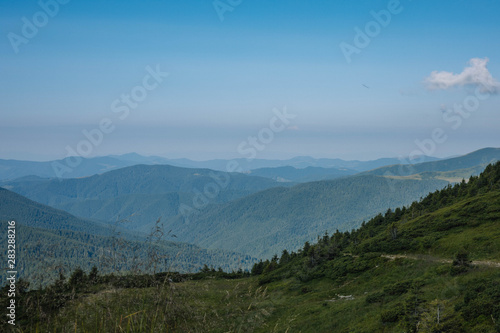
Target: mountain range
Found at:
258, 212
432, 266
75, 167
140, 193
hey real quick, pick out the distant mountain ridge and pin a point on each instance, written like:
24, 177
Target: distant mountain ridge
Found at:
140, 193
307, 174
481, 157
12, 169
298, 162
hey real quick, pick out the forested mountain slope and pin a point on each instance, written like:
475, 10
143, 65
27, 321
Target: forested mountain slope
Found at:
30, 213
49, 240
265, 223
140, 193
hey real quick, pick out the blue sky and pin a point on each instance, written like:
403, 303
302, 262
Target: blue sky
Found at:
226, 77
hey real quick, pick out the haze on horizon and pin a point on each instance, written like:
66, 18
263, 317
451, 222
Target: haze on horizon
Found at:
428, 71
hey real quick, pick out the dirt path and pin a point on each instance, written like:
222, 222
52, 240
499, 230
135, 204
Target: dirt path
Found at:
488, 263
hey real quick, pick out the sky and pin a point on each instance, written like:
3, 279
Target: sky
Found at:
206, 79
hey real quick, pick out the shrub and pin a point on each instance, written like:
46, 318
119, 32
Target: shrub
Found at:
398, 288
392, 315
375, 298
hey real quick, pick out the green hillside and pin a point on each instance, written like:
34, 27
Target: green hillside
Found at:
439, 255
432, 266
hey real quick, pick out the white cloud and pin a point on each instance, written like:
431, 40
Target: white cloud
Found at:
476, 74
